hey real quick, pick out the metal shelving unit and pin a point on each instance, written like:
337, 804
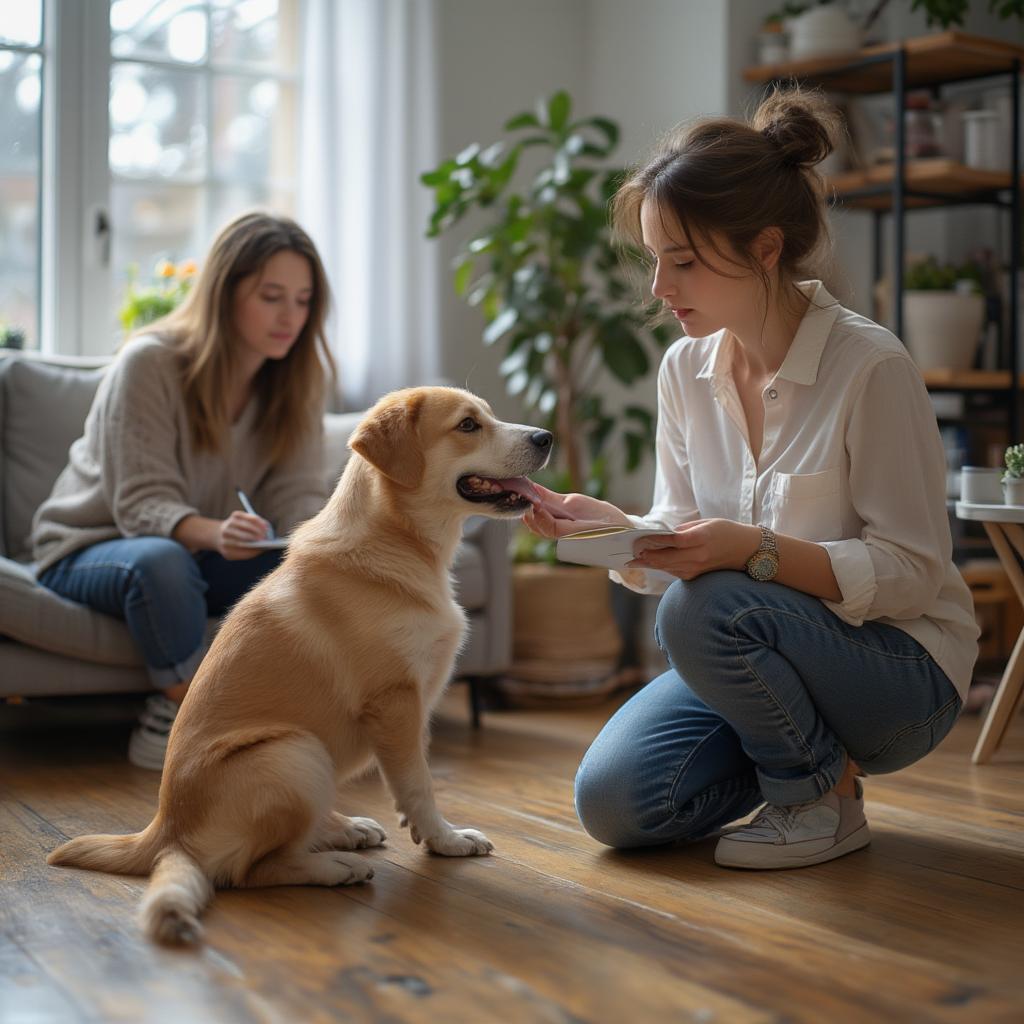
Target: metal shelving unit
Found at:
927, 62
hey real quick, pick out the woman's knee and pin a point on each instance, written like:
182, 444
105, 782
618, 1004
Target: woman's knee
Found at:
604, 807
163, 566
693, 611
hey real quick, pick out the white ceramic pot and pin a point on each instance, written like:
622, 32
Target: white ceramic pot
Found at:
823, 30
981, 485
941, 329
984, 143
1013, 491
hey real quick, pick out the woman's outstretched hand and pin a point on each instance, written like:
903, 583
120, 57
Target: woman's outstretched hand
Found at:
556, 515
698, 547
240, 529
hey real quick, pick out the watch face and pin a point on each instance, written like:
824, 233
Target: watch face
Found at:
763, 566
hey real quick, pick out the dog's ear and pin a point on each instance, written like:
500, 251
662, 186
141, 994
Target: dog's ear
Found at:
389, 440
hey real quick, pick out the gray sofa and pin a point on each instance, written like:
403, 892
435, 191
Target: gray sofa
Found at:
53, 647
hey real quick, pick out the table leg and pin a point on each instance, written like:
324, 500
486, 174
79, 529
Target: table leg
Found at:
1003, 705
1012, 683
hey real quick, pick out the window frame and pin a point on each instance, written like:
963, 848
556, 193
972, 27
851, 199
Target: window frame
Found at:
76, 314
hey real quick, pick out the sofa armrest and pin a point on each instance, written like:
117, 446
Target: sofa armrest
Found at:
492, 538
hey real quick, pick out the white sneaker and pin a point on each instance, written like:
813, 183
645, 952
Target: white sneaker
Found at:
794, 837
148, 744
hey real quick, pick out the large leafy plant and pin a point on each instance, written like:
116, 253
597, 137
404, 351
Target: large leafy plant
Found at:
542, 266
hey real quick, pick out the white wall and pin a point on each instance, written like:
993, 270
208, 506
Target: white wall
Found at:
495, 59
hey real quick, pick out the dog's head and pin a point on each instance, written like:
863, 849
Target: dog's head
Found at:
445, 444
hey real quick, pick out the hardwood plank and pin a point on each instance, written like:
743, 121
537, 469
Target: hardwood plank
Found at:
553, 927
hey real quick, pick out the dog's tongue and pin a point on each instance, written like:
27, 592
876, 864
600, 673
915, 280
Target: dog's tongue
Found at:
521, 486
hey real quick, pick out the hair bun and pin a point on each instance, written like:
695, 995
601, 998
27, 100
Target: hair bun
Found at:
801, 123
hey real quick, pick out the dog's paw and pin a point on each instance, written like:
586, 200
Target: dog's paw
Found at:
460, 842
339, 869
368, 833
344, 833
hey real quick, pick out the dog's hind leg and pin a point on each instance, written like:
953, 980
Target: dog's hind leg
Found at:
274, 792
339, 832
301, 867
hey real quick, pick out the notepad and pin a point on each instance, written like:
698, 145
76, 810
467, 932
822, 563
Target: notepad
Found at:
610, 547
270, 544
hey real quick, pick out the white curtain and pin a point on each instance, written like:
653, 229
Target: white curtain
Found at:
368, 131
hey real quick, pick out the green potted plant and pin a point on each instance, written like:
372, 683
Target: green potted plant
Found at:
12, 337
541, 265
943, 313
1013, 478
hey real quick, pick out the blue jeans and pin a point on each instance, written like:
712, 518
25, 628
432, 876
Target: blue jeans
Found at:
163, 593
767, 693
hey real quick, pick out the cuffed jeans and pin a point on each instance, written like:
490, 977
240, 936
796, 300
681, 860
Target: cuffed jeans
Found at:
163, 593
767, 694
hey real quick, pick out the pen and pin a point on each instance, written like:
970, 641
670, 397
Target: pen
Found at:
247, 505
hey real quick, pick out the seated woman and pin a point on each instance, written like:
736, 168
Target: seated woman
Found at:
817, 629
224, 394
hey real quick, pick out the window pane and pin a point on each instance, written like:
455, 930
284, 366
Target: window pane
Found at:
256, 32
20, 95
165, 29
157, 126
151, 223
21, 22
230, 199
254, 129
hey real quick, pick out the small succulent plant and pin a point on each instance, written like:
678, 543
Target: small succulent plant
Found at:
1014, 462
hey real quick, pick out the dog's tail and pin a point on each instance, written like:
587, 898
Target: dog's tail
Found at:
121, 855
177, 894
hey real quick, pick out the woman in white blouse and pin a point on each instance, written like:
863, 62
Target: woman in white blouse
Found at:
817, 629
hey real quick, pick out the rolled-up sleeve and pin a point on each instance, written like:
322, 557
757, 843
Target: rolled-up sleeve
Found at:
897, 481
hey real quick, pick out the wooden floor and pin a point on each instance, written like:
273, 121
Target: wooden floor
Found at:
926, 924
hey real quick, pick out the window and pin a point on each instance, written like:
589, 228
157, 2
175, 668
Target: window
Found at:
202, 122
161, 119
21, 89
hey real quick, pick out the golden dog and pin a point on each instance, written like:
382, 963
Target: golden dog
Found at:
332, 661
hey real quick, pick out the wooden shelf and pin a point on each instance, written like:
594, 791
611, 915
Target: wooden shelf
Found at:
870, 189
969, 380
930, 60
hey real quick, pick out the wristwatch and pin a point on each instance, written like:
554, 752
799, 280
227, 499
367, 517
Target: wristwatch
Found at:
763, 564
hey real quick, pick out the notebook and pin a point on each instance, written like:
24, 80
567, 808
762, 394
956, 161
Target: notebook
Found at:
610, 547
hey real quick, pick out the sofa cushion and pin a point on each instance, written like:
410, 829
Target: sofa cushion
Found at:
33, 614
39, 617
44, 409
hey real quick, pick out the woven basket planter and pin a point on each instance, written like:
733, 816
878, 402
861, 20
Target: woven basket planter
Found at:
565, 642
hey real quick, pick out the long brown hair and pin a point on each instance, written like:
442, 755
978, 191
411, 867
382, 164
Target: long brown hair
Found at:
735, 179
290, 391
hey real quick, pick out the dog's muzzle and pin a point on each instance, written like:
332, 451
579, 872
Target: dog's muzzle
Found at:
509, 494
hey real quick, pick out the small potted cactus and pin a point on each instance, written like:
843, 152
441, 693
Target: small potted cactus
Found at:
1013, 478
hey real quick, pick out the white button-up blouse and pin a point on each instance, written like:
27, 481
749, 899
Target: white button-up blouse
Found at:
851, 459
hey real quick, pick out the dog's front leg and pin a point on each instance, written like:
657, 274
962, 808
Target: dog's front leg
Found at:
399, 740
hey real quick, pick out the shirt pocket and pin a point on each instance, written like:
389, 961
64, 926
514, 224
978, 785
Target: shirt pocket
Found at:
806, 505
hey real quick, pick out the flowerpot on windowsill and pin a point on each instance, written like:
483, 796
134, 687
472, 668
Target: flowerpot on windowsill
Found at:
1013, 490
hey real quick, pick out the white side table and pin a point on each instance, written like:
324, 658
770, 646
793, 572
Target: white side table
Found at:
1004, 525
